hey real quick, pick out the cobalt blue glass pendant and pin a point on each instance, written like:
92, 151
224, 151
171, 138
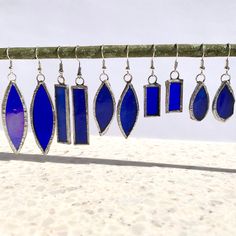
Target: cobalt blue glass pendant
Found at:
104, 106
128, 108
80, 114
62, 107
223, 104
199, 102
14, 116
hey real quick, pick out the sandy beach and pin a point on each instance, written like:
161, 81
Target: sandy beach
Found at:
119, 187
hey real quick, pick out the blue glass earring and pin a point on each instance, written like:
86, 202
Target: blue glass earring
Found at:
199, 102
14, 113
80, 109
128, 108
42, 112
152, 93
62, 106
174, 89
104, 101
223, 104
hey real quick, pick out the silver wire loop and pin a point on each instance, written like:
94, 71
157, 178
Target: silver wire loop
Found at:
227, 77
11, 76
127, 77
60, 78
40, 77
103, 59
79, 80
152, 79
103, 76
174, 74
200, 77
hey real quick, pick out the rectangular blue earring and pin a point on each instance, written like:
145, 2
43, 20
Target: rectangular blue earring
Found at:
174, 90
62, 108
80, 111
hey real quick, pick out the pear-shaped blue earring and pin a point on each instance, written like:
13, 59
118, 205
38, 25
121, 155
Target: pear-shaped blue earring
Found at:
199, 102
223, 104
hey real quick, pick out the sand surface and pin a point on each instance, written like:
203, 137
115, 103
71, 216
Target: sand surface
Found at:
119, 187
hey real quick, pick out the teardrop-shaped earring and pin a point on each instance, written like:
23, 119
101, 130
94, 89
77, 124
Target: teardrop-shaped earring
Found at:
80, 108
128, 107
62, 106
174, 89
199, 102
223, 104
14, 113
152, 93
42, 112
104, 101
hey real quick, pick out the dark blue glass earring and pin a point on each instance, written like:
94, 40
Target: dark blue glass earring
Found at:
128, 108
104, 101
223, 104
42, 112
174, 90
62, 105
152, 93
199, 102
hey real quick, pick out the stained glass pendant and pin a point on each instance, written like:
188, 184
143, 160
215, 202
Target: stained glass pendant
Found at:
199, 102
42, 117
174, 95
223, 104
14, 116
80, 114
62, 105
104, 106
128, 108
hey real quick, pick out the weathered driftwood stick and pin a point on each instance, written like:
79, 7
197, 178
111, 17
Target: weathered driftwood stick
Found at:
116, 51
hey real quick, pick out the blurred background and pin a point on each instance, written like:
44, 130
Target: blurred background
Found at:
87, 22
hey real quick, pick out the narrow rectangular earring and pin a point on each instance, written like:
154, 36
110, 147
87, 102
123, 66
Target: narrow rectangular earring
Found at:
80, 111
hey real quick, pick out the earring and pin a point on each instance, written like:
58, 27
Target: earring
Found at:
14, 113
42, 112
62, 106
80, 108
128, 108
199, 102
152, 93
223, 104
104, 101
174, 89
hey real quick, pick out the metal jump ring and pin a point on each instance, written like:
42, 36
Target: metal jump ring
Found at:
174, 72
79, 78
61, 79
225, 75
154, 81
40, 75
103, 77
11, 76
201, 75
128, 77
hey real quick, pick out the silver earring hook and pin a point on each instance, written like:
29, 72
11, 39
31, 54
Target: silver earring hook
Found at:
103, 59
79, 81
127, 59
202, 66
176, 57
227, 59
10, 60
153, 56
40, 77
11, 76
61, 64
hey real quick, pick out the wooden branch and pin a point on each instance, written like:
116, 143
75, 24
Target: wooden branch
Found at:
116, 51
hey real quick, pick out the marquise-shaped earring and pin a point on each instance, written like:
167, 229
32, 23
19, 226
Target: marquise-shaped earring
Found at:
223, 104
80, 108
14, 113
174, 89
104, 101
199, 102
42, 112
62, 106
128, 107
152, 93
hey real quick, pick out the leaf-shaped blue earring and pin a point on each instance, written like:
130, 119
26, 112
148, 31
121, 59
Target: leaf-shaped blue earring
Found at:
199, 102
223, 104
14, 113
42, 112
128, 107
152, 93
104, 101
62, 106
80, 108
174, 89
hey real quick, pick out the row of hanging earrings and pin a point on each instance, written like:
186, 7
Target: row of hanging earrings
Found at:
43, 117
